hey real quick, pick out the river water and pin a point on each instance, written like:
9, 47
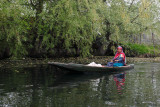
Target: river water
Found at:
45, 86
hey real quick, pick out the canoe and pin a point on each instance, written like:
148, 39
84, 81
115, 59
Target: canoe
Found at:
86, 68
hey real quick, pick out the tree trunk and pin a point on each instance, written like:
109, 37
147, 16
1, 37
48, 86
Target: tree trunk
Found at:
37, 38
153, 42
108, 32
140, 38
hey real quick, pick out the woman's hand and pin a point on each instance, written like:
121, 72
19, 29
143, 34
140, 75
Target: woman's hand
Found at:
111, 60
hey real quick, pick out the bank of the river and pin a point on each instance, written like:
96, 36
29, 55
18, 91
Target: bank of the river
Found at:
97, 59
105, 59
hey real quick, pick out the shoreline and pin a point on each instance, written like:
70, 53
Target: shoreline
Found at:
29, 62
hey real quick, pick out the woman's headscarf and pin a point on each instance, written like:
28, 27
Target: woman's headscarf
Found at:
117, 54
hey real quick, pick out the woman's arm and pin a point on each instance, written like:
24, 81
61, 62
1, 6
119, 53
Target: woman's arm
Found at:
120, 59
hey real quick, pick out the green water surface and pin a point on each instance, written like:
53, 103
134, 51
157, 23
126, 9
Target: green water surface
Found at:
45, 86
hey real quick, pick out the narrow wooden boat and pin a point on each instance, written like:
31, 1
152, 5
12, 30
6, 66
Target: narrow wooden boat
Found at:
86, 68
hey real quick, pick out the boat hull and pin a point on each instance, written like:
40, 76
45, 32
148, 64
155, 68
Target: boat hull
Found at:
86, 68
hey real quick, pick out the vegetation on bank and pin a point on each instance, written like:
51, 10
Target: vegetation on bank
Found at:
30, 62
141, 50
47, 28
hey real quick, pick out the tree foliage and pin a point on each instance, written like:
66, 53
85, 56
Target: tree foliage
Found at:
46, 27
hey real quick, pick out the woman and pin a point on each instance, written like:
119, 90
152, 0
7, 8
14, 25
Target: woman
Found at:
119, 59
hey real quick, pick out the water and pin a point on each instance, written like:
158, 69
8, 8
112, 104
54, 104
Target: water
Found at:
43, 86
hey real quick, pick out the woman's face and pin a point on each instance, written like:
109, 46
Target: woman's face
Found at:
119, 50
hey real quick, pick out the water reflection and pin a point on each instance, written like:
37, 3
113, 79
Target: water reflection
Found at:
120, 81
43, 86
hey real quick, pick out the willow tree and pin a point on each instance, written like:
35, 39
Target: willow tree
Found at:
35, 26
67, 24
13, 28
127, 18
43, 27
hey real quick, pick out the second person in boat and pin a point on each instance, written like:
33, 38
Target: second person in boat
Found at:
119, 59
